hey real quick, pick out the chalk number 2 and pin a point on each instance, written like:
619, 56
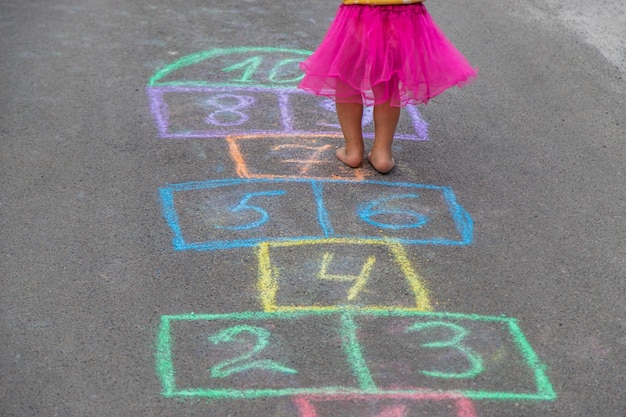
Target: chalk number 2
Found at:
246, 361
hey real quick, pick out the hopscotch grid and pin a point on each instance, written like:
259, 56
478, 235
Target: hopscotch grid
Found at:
367, 389
166, 370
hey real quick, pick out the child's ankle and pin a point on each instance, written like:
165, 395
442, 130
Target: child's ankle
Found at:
351, 159
382, 164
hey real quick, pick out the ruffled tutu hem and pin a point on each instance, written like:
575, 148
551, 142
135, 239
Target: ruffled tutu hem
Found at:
379, 54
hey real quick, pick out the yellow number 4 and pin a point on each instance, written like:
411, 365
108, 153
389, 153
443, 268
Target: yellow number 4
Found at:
359, 280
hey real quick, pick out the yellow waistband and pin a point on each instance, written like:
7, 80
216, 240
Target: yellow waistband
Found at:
381, 2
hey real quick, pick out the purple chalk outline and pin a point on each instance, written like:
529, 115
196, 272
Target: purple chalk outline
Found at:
160, 111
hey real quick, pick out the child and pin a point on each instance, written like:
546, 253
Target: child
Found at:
385, 53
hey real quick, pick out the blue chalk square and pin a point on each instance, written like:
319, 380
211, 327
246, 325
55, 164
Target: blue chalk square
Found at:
224, 214
412, 213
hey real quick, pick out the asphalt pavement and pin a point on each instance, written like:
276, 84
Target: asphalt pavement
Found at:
178, 238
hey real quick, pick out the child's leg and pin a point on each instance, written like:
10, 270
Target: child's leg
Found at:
386, 119
350, 116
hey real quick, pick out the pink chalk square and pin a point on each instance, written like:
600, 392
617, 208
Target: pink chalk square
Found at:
385, 405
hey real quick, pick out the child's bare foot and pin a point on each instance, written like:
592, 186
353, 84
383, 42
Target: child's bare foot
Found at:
353, 161
382, 165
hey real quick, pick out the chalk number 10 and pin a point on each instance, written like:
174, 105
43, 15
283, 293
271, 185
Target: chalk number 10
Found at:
248, 68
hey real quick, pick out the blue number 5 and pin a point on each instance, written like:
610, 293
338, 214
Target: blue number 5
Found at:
243, 205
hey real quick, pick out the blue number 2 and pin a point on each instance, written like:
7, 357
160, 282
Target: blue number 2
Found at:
243, 205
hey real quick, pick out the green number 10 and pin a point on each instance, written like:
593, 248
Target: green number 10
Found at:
250, 66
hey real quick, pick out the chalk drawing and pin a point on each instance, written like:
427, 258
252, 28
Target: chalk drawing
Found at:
379, 207
391, 405
284, 282
290, 156
242, 91
332, 333
243, 206
360, 280
413, 214
456, 342
363, 365
244, 363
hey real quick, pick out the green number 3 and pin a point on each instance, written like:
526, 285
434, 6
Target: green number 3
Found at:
243, 362
458, 334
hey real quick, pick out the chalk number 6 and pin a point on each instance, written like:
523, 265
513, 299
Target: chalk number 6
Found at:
380, 207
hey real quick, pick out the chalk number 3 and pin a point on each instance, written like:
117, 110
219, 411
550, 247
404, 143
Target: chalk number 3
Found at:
246, 361
455, 342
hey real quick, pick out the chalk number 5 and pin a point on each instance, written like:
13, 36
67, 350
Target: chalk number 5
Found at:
261, 214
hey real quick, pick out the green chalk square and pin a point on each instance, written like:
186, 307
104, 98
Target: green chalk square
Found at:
364, 363
476, 356
251, 355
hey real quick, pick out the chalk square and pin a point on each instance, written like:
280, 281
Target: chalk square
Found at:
251, 355
409, 213
212, 112
385, 405
224, 214
449, 353
290, 155
307, 113
358, 273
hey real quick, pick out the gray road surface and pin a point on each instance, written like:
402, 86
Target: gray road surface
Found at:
178, 239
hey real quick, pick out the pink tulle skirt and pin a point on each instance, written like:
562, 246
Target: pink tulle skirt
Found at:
379, 54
